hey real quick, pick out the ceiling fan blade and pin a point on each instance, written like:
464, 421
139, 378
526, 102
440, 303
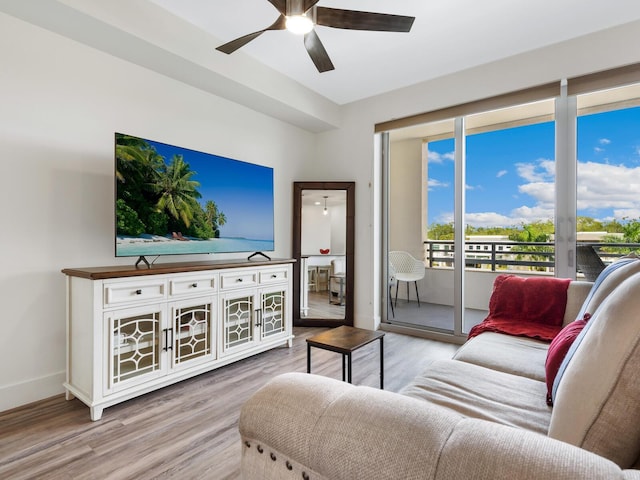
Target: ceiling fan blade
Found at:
317, 52
355, 20
233, 45
309, 3
281, 5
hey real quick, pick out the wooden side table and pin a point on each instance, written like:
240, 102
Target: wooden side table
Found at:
346, 340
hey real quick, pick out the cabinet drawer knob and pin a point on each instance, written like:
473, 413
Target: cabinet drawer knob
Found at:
274, 276
194, 285
239, 280
139, 292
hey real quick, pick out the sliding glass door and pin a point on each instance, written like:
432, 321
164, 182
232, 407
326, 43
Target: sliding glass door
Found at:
472, 197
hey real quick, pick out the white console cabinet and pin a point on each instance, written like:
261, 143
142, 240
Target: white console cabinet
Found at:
131, 331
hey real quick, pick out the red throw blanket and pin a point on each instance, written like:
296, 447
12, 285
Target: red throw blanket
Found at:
527, 307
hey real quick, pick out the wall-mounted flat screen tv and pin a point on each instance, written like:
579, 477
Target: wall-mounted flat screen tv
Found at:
171, 200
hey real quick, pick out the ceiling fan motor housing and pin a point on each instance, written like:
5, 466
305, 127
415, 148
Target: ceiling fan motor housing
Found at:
294, 7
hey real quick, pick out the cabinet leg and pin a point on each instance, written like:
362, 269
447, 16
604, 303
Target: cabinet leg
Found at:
290, 343
96, 413
68, 395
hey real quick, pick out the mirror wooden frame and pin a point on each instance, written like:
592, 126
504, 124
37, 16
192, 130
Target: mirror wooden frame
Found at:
298, 188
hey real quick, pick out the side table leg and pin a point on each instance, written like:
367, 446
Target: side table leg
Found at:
344, 376
381, 363
349, 373
308, 358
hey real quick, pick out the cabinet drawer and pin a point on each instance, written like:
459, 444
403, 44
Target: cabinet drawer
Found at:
273, 276
233, 280
123, 293
193, 285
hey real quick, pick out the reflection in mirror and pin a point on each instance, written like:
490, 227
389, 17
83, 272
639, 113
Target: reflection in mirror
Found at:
323, 247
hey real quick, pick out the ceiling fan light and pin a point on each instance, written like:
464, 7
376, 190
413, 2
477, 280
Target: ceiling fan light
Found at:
299, 24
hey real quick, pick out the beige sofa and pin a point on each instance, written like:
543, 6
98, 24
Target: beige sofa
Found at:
481, 415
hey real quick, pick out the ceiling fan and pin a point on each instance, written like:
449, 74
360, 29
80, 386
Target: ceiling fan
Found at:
300, 16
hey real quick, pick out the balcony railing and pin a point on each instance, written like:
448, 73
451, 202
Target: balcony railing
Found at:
528, 256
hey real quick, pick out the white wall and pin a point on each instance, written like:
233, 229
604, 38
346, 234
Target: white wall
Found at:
315, 231
338, 214
348, 153
321, 231
405, 214
60, 104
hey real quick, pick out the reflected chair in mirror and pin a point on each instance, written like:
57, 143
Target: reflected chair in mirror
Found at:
408, 269
337, 277
589, 262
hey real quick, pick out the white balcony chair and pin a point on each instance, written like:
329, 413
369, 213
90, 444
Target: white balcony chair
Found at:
408, 269
393, 282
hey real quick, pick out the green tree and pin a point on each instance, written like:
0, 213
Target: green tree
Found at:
127, 220
440, 231
214, 217
177, 192
136, 165
631, 231
588, 224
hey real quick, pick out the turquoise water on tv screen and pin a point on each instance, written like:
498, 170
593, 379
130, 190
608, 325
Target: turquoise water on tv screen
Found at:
127, 247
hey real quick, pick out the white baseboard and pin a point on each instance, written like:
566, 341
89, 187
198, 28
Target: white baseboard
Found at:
18, 394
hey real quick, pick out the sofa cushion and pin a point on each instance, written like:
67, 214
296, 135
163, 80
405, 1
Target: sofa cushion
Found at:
558, 350
576, 295
506, 353
478, 392
597, 398
608, 280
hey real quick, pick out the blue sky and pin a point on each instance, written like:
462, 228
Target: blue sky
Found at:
510, 173
242, 191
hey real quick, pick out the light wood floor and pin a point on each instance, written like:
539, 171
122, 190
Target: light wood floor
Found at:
319, 307
188, 430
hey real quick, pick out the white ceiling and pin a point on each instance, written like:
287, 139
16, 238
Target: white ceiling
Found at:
447, 36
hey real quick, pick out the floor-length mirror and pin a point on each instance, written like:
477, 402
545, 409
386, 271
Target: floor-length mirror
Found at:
323, 241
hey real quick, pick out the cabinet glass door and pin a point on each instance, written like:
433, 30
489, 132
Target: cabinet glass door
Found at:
134, 345
273, 308
238, 314
192, 339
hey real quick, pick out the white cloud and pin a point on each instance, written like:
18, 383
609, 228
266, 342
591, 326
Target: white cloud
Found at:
604, 141
600, 186
445, 217
543, 192
626, 213
488, 219
607, 186
433, 183
542, 170
598, 149
501, 173
436, 157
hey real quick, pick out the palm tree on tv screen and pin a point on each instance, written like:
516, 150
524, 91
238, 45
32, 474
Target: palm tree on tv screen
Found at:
178, 193
214, 217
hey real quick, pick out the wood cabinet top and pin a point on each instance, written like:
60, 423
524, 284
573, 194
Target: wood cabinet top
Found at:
118, 271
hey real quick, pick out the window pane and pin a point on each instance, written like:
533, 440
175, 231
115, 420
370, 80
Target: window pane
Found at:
509, 211
608, 172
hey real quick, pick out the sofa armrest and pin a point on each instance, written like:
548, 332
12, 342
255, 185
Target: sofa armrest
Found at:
300, 424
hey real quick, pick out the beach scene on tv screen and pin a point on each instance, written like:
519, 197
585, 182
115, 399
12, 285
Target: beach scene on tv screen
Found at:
171, 200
